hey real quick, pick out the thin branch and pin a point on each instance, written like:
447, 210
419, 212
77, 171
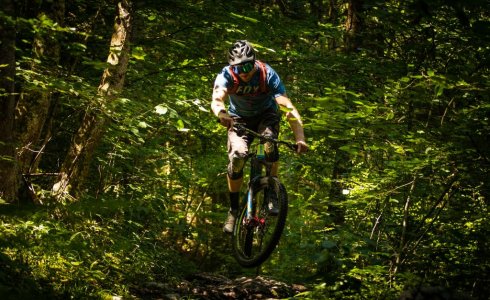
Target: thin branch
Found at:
444, 199
378, 219
445, 110
399, 187
398, 260
40, 174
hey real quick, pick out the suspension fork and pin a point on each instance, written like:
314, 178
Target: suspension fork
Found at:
255, 170
249, 203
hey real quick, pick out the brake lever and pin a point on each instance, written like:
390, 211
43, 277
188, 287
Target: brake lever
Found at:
292, 146
239, 128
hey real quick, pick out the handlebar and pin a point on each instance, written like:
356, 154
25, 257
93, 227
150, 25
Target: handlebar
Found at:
241, 127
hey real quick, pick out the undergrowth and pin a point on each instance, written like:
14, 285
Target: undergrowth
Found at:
88, 249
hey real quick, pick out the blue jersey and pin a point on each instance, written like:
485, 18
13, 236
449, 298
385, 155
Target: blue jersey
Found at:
248, 99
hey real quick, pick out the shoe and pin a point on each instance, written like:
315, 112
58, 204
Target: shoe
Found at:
230, 221
273, 206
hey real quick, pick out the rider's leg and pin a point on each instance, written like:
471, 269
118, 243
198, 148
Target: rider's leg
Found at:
269, 126
237, 152
234, 189
234, 185
275, 168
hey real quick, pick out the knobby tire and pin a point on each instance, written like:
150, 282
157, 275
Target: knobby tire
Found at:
249, 247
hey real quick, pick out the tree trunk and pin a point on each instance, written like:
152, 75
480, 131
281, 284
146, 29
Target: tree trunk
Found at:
332, 16
75, 167
33, 106
353, 25
9, 175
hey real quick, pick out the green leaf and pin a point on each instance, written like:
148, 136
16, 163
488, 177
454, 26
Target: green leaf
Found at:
138, 53
285, 109
181, 127
245, 18
439, 90
328, 244
161, 110
74, 236
180, 124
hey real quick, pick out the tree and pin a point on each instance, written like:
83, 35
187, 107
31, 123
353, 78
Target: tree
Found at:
77, 161
34, 102
9, 175
353, 25
394, 97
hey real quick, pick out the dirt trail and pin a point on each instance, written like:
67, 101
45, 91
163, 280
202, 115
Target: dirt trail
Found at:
211, 286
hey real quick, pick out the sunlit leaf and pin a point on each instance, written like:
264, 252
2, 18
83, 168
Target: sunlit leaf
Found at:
138, 53
161, 110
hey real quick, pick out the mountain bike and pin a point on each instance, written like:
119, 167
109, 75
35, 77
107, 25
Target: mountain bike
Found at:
257, 228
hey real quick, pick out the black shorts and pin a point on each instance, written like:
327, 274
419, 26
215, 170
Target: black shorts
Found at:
267, 123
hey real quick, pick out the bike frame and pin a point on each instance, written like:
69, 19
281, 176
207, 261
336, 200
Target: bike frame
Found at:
257, 233
256, 163
255, 170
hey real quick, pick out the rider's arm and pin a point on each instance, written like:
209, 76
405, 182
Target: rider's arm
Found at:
294, 120
218, 106
218, 101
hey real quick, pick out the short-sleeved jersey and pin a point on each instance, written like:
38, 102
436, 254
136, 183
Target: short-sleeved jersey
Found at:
248, 99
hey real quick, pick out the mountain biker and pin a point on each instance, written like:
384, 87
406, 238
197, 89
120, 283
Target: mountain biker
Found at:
255, 92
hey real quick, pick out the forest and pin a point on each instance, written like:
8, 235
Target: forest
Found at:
113, 167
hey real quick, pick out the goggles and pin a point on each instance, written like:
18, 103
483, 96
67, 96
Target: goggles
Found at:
244, 68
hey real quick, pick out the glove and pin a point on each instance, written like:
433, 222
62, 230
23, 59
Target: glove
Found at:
225, 119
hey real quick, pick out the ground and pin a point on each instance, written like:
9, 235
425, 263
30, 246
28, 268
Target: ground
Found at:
211, 286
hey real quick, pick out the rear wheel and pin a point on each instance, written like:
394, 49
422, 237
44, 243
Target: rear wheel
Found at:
255, 239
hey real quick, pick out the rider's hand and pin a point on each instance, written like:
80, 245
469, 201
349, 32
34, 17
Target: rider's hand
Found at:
302, 147
225, 119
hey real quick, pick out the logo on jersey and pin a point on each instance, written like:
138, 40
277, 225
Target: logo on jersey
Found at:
247, 89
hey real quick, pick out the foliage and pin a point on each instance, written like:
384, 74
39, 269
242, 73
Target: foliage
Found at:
75, 250
393, 194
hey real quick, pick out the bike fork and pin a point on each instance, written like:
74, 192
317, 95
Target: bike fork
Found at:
249, 204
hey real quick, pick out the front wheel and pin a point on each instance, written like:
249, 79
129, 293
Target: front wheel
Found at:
255, 238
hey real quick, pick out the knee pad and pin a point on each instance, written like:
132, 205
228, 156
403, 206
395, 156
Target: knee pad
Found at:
235, 167
269, 148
